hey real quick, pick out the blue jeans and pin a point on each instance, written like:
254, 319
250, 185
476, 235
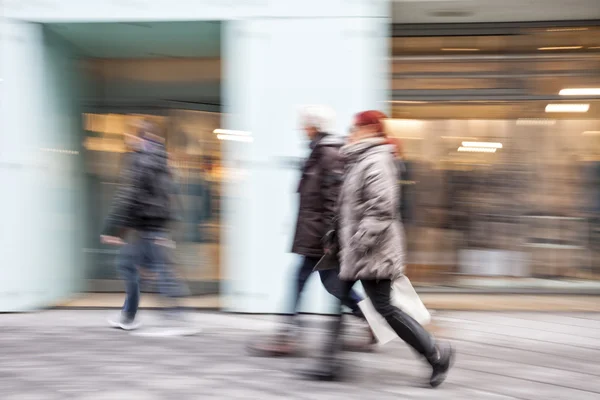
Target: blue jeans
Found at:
330, 281
145, 250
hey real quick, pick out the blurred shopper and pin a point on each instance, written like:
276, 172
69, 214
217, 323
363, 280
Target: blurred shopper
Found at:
372, 245
139, 221
319, 191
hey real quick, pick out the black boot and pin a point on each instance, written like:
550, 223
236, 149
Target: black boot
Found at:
327, 369
441, 362
329, 363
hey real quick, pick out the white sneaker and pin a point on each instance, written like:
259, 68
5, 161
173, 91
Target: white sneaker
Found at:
121, 321
172, 325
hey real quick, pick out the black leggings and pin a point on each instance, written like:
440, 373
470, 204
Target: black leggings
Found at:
330, 281
405, 326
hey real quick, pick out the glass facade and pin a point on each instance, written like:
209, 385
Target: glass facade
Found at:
499, 194
195, 156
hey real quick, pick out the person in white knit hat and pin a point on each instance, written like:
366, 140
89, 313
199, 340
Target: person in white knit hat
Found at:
318, 190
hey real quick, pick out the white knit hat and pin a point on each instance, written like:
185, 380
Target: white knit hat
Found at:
320, 117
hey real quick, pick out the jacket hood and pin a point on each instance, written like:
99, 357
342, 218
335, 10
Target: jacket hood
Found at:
155, 154
357, 151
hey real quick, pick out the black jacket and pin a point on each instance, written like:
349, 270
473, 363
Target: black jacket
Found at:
143, 199
318, 189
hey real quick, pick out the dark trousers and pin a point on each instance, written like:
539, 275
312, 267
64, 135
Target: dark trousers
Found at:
406, 327
146, 249
330, 281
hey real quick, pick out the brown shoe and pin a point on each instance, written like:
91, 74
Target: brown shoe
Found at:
273, 346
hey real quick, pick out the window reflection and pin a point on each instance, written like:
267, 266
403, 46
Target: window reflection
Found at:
195, 156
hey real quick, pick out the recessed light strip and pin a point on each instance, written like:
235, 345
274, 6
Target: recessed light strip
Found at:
458, 49
567, 108
477, 149
560, 48
235, 138
231, 132
490, 145
580, 92
535, 121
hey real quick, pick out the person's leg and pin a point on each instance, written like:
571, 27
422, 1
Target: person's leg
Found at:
334, 286
284, 342
409, 330
304, 272
328, 366
156, 257
334, 342
126, 265
127, 261
405, 327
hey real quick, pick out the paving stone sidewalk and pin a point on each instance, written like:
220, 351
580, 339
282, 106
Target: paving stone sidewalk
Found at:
73, 355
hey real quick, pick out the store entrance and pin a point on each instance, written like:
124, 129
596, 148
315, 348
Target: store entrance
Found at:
168, 74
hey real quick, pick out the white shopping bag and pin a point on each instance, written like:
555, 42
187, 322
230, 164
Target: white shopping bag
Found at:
405, 298
378, 324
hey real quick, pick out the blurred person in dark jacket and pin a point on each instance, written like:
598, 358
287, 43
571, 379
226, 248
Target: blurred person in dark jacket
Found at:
139, 222
318, 190
372, 245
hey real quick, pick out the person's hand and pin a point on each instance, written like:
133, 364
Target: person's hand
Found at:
329, 242
111, 240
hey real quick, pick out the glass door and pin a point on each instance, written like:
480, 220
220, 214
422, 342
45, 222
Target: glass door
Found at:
194, 155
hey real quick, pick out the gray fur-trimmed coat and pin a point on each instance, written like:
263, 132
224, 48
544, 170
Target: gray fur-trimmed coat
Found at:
370, 232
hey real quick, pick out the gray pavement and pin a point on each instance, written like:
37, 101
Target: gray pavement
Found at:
72, 355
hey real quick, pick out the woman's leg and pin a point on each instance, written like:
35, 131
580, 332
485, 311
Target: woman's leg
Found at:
405, 327
409, 330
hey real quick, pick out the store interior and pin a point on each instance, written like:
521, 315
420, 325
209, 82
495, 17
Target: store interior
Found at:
519, 208
518, 216
169, 74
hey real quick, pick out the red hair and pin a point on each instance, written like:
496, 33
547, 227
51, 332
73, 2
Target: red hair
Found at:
371, 117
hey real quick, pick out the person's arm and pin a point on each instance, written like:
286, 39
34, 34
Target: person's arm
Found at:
121, 211
333, 174
331, 182
379, 196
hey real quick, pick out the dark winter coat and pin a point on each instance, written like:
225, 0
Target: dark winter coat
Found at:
319, 186
143, 199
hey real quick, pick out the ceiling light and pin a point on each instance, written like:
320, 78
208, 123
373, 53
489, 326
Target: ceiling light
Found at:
567, 108
560, 48
580, 92
591, 133
490, 145
594, 47
235, 138
536, 121
458, 49
567, 29
231, 132
477, 149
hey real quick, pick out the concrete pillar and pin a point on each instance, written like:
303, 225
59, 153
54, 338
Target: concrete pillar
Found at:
272, 67
40, 173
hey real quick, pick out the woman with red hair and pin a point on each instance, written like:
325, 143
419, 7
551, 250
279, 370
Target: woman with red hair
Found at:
371, 239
